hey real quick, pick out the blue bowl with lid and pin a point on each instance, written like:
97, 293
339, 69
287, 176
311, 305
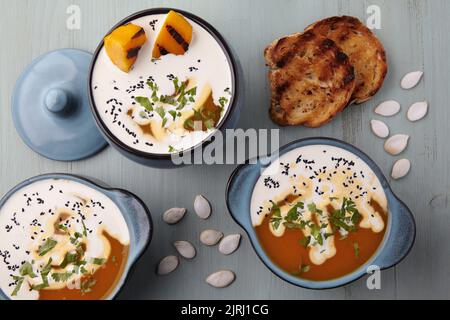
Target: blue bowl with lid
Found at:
136, 214
400, 230
228, 121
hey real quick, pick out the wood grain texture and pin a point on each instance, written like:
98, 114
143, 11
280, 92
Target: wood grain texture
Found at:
415, 35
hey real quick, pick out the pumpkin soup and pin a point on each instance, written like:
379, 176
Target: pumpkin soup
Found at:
319, 212
62, 240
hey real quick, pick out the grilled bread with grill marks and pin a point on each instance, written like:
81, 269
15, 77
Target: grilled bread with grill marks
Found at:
365, 51
311, 79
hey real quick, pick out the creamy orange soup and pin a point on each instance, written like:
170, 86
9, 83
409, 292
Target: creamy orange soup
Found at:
319, 212
61, 240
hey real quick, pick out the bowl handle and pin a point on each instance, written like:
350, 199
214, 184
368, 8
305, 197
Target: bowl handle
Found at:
401, 237
239, 191
139, 221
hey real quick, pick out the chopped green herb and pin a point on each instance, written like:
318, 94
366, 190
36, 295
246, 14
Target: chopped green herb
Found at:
48, 246
41, 286
44, 274
305, 241
223, 101
293, 213
340, 219
333, 198
62, 227
84, 227
161, 112
168, 100
315, 232
313, 209
86, 286
356, 249
19, 282
292, 225
327, 235
145, 102
189, 124
173, 149
174, 114
304, 268
47, 268
99, 261
68, 259
62, 277
209, 123
27, 270
276, 218
74, 239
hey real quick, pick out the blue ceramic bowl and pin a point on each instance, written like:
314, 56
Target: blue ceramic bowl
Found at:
135, 212
397, 242
229, 120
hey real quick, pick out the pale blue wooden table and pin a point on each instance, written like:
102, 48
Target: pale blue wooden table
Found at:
416, 36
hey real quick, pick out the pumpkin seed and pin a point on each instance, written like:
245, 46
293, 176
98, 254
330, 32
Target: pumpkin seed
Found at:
185, 249
202, 207
174, 215
229, 244
379, 128
388, 108
411, 80
400, 169
221, 279
167, 265
417, 111
210, 237
396, 144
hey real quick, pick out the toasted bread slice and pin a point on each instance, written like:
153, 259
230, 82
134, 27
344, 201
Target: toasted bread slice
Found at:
311, 79
365, 51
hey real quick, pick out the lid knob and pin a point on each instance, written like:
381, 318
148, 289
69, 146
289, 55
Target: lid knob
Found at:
56, 100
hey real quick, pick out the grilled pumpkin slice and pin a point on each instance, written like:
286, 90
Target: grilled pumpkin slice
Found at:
123, 45
174, 37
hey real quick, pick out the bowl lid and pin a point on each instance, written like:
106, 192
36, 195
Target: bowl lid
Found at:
50, 107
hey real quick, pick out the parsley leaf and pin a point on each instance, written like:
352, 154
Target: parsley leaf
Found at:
27, 270
99, 261
276, 218
313, 209
19, 282
62, 277
68, 259
145, 102
48, 246
86, 286
305, 241
174, 114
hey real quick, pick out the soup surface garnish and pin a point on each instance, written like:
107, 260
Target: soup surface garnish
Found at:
314, 206
169, 104
64, 240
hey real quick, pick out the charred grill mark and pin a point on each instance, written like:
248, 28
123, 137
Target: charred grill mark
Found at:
138, 34
341, 57
292, 51
350, 76
281, 88
162, 50
328, 43
133, 52
177, 37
